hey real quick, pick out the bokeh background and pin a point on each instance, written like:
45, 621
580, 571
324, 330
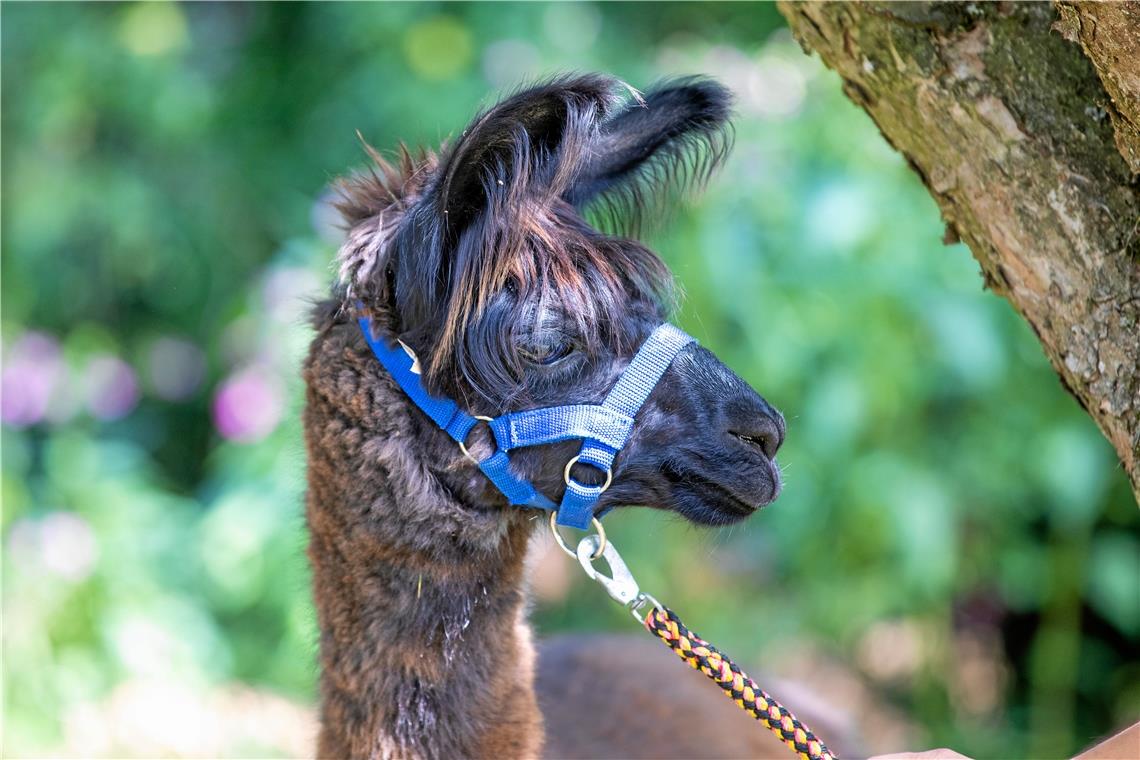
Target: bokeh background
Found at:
955, 559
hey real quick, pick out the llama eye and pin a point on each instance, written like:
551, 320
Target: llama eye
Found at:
547, 355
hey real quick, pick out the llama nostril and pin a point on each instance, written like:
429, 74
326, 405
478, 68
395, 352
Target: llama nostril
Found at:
768, 435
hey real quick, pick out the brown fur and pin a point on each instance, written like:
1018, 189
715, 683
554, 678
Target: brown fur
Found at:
420, 647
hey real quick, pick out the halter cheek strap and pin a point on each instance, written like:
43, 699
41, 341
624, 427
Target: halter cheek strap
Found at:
603, 428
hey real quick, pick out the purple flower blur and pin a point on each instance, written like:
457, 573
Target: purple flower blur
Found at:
112, 388
249, 404
33, 371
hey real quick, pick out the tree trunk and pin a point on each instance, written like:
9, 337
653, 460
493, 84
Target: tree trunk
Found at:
1023, 121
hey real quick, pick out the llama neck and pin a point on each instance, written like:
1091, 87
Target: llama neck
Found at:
424, 648
423, 661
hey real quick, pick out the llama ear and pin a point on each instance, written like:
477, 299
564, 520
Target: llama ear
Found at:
676, 135
531, 142
533, 139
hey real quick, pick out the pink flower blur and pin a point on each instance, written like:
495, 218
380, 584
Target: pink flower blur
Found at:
112, 387
33, 371
249, 405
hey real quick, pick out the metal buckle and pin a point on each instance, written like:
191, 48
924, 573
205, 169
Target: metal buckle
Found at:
463, 447
640, 602
566, 475
600, 535
620, 585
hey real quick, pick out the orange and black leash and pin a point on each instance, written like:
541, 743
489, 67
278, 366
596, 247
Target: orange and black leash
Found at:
663, 623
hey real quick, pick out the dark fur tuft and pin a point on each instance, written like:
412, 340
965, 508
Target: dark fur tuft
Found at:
668, 142
372, 203
534, 138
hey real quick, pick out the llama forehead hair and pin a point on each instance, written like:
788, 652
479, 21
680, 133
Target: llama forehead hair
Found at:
371, 203
360, 255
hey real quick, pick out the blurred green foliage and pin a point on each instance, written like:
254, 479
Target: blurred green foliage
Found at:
955, 555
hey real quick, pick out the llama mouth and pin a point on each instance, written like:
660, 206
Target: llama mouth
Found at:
728, 501
737, 506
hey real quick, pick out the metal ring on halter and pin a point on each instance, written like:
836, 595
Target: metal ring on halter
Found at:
463, 448
609, 478
566, 547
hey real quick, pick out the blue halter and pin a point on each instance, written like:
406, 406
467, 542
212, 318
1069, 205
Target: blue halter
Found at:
604, 428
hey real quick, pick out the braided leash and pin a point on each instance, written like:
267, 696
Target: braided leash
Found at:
663, 623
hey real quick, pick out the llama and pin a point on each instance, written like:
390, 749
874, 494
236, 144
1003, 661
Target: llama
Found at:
479, 260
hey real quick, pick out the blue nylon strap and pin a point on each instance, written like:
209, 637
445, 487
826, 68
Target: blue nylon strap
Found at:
519, 492
634, 386
451, 419
603, 428
460, 426
577, 506
443, 411
561, 423
626, 398
645, 370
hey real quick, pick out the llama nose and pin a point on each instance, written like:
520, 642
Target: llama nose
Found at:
764, 429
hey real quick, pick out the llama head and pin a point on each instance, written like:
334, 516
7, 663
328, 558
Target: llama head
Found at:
481, 262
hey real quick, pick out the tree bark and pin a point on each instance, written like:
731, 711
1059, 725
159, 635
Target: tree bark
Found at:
1022, 121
